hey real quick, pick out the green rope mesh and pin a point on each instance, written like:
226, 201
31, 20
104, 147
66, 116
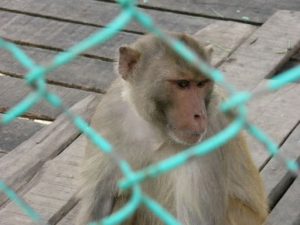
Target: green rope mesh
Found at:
132, 179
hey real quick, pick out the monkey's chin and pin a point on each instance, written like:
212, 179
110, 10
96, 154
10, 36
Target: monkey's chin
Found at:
187, 139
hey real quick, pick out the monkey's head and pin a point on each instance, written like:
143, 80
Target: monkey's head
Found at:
165, 90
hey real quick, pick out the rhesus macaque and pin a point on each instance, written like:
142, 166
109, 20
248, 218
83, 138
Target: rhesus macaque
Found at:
159, 106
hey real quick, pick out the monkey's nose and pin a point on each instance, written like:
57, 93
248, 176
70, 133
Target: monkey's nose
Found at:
196, 116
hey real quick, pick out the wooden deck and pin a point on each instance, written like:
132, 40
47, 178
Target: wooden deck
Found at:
253, 41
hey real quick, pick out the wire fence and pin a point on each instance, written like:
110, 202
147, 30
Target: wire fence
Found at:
35, 78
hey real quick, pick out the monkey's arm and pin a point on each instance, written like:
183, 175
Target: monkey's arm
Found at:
98, 189
247, 199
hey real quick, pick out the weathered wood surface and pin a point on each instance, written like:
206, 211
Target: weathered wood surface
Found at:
16, 132
83, 73
287, 210
55, 185
55, 34
275, 174
255, 11
229, 37
96, 75
276, 114
98, 14
267, 49
20, 165
13, 90
61, 35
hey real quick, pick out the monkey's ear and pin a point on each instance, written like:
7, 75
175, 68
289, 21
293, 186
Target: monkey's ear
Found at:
128, 58
208, 51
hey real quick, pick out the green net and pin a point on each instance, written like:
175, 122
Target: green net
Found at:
132, 179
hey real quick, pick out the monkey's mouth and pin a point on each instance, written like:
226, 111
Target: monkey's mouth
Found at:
186, 137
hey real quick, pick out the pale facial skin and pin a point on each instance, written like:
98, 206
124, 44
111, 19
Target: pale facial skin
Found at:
187, 119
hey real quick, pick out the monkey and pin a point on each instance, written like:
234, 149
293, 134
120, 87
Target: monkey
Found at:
158, 106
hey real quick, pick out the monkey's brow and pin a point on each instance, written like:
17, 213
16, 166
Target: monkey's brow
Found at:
191, 80
205, 80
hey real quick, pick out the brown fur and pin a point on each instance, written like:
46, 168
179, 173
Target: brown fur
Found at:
222, 188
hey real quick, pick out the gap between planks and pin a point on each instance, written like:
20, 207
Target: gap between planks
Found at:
287, 210
190, 11
276, 177
253, 12
17, 132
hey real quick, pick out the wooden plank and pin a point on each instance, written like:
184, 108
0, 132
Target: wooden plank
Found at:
255, 11
56, 184
101, 13
13, 90
287, 210
276, 114
96, 75
17, 132
225, 37
265, 51
60, 35
83, 73
20, 165
275, 174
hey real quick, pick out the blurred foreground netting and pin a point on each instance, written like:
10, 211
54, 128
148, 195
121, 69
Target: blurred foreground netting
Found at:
236, 102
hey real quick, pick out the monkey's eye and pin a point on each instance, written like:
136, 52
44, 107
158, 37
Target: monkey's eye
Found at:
183, 83
202, 83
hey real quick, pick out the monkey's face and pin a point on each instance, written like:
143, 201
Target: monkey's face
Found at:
176, 106
165, 90
186, 116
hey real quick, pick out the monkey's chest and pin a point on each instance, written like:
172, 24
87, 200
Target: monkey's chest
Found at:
161, 190
158, 190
